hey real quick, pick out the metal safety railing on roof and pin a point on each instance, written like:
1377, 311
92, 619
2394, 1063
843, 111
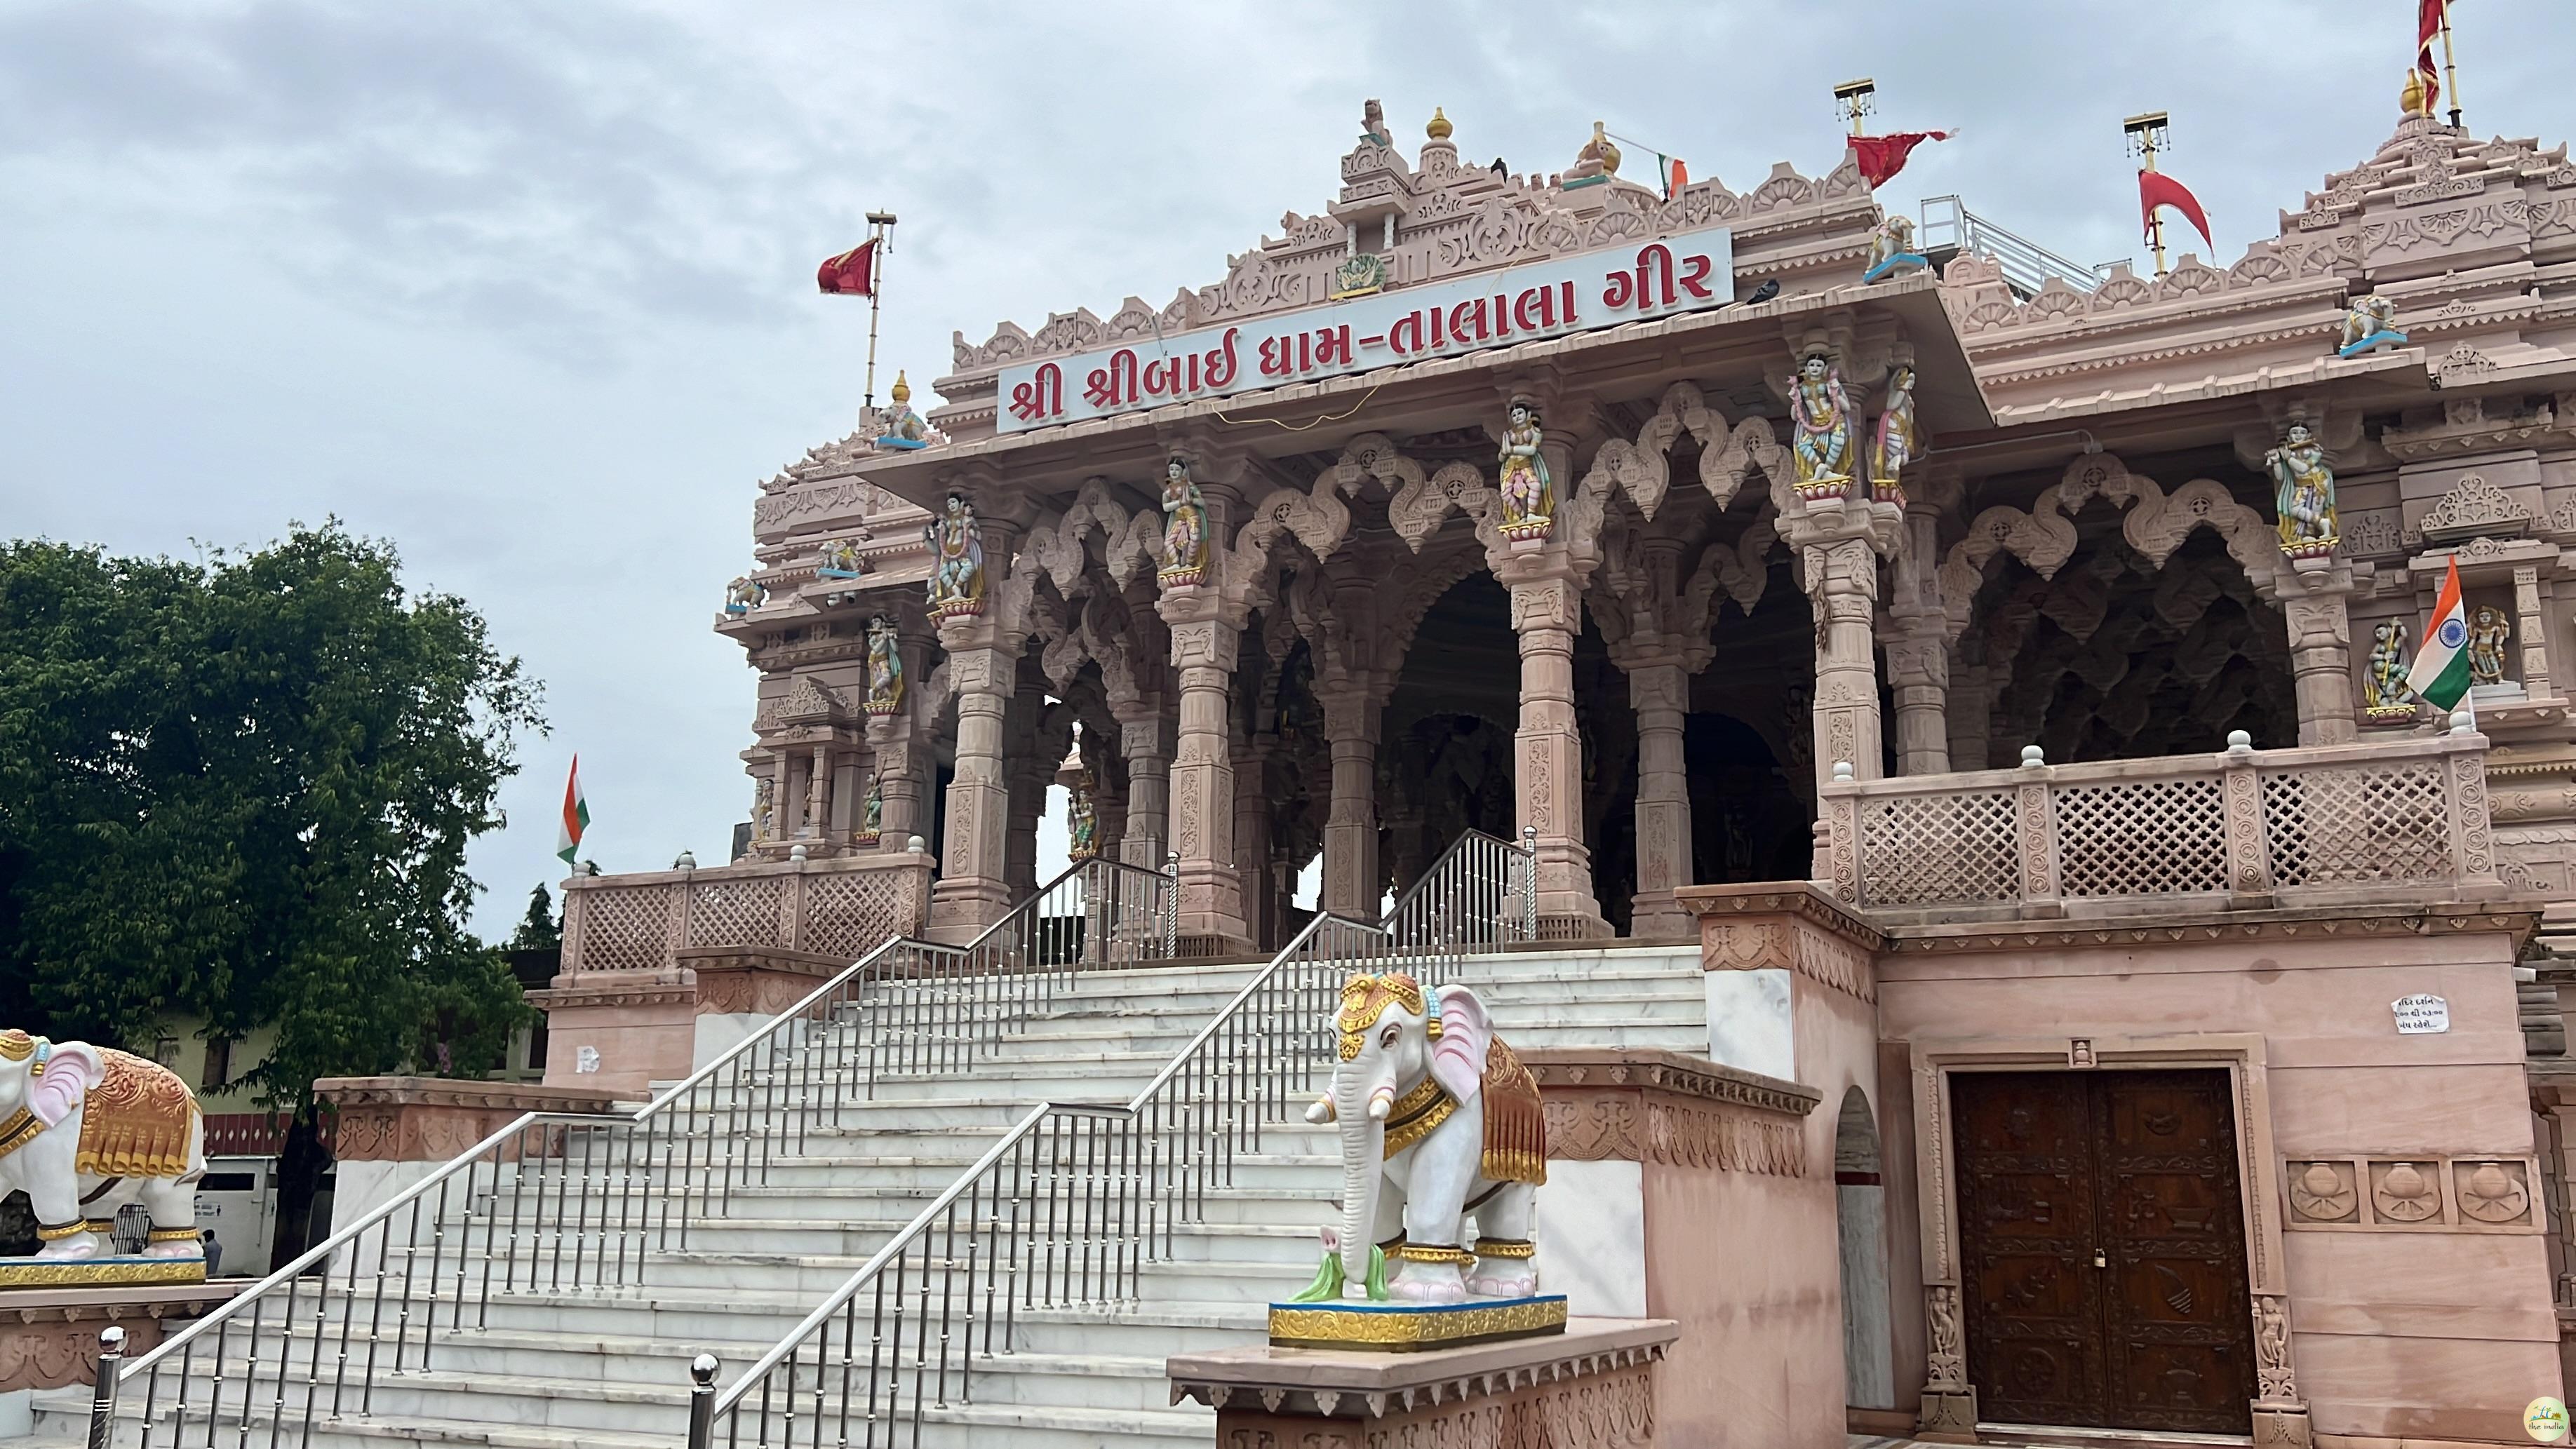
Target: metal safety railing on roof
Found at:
1947, 222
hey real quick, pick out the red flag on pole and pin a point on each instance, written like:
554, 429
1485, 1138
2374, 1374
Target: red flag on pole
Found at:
2157, 189
1881, 157
852, 273
2429, 19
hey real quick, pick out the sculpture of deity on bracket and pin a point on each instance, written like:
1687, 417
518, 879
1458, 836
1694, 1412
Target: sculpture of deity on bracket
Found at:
1185, 528
1528, 492
2386, 699
1898, 439
2490, 633
902, 427
764, 796
1082, 821
885, 667
2369, 323
2303, 490
1891, 248
1820, 428
744, 594
871, 814
957, 561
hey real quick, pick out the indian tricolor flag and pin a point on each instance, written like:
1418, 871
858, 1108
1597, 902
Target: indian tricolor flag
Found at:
2441, 672
576, 809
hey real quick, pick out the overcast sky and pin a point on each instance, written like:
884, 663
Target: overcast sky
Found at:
527, 289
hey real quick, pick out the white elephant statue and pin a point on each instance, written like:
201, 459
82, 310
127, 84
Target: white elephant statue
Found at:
1440, 1123
86, 1130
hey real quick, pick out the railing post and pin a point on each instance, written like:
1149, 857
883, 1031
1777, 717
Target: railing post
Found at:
2472, 839
675, 921
1171, 905
2250, 883
2036, 819
102, 1399
702, 1401
1529, 882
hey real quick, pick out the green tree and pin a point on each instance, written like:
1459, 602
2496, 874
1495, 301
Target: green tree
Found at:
540, 928
242, 791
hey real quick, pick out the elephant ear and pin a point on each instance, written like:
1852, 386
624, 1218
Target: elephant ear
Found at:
1458, 1058
72, 1068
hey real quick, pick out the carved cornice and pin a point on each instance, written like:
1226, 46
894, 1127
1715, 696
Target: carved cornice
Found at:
1678, 1073
1798, 898
2324, 923
1345, 1387
404, 1091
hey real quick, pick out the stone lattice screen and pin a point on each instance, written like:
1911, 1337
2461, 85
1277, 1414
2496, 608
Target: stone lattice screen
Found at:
2239, 828
843, 907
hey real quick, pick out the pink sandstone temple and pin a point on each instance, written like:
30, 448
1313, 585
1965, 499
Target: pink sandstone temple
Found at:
2109, 998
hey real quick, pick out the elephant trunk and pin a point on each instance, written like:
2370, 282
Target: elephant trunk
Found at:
1363, 1176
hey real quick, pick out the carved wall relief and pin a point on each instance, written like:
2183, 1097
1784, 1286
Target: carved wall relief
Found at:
2412, 1194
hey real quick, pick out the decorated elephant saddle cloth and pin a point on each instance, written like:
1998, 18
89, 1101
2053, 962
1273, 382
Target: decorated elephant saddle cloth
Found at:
134, 1123
1515, 1122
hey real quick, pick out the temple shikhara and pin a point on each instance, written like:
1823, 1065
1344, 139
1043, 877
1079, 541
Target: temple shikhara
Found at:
1883, 868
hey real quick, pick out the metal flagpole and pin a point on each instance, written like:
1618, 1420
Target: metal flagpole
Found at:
2144, 132
881, 227
2450, 67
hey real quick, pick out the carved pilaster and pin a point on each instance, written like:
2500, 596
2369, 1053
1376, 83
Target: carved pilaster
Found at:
1145, 741
1203, 657
1839, 544
2313, 600
973, 891
2531, 626
1660, 694
1548, 750
1351, 876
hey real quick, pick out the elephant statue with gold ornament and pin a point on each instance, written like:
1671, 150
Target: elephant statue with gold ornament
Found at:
86, 1130
1440, 1123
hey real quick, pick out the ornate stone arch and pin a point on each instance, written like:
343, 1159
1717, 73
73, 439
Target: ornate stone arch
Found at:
1418, 509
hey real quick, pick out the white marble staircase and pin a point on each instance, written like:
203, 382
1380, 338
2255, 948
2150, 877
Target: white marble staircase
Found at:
607, 1366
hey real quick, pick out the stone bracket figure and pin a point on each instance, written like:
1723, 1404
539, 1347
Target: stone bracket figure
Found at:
2303, 490
840, 559
744, 595
1897, 441
885, 667
1185, 528
2490, 635
1891, 249
901, 427
871, 815
2387, 700
1527, 492
957, 561
1820, 430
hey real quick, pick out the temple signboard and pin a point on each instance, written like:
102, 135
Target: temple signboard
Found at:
1552, 298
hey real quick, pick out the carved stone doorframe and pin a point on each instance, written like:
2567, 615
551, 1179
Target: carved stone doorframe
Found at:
2280, 1416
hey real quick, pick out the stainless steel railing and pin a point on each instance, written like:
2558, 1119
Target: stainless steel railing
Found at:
1069, 1206
554, 1201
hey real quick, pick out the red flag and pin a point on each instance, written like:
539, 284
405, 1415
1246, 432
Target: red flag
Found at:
2430, 16
1881, 157
2157, 189
853, 272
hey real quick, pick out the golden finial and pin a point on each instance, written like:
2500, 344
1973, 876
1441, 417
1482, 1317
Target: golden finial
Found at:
1439, 128
1600, 148
16, 1045
902, 389
2412, 100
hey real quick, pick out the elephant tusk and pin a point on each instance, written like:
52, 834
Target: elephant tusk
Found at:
1381, 1102
1322, 1110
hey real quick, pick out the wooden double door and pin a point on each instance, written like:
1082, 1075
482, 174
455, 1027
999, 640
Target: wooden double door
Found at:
2102, 1249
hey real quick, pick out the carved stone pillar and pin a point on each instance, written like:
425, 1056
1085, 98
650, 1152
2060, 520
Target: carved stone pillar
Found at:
1351, 876
1548, 750
1145, 740
1252, 843
1203, 656
2313, 602
1838, 544
1967, 716
1029, 772
2531, 628
1918, 670
1660, 693
818, 781
973, 890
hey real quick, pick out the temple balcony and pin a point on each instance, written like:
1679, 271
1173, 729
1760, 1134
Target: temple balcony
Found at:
2400, 822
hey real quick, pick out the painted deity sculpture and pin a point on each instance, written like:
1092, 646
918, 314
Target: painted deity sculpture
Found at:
2490, 632
903, 428
871, 814
85, 1130
1891, 249
1440, 1122
2369, 323
1897, 440
1081, 821
2387, 700
840, 559
1185, 528
2303, 489
885, 667
744, 595
763, 807
1820, 424
1528, 492
957, 561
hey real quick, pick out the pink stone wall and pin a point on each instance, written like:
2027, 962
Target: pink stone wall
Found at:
1746, 1263
2442, 1330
